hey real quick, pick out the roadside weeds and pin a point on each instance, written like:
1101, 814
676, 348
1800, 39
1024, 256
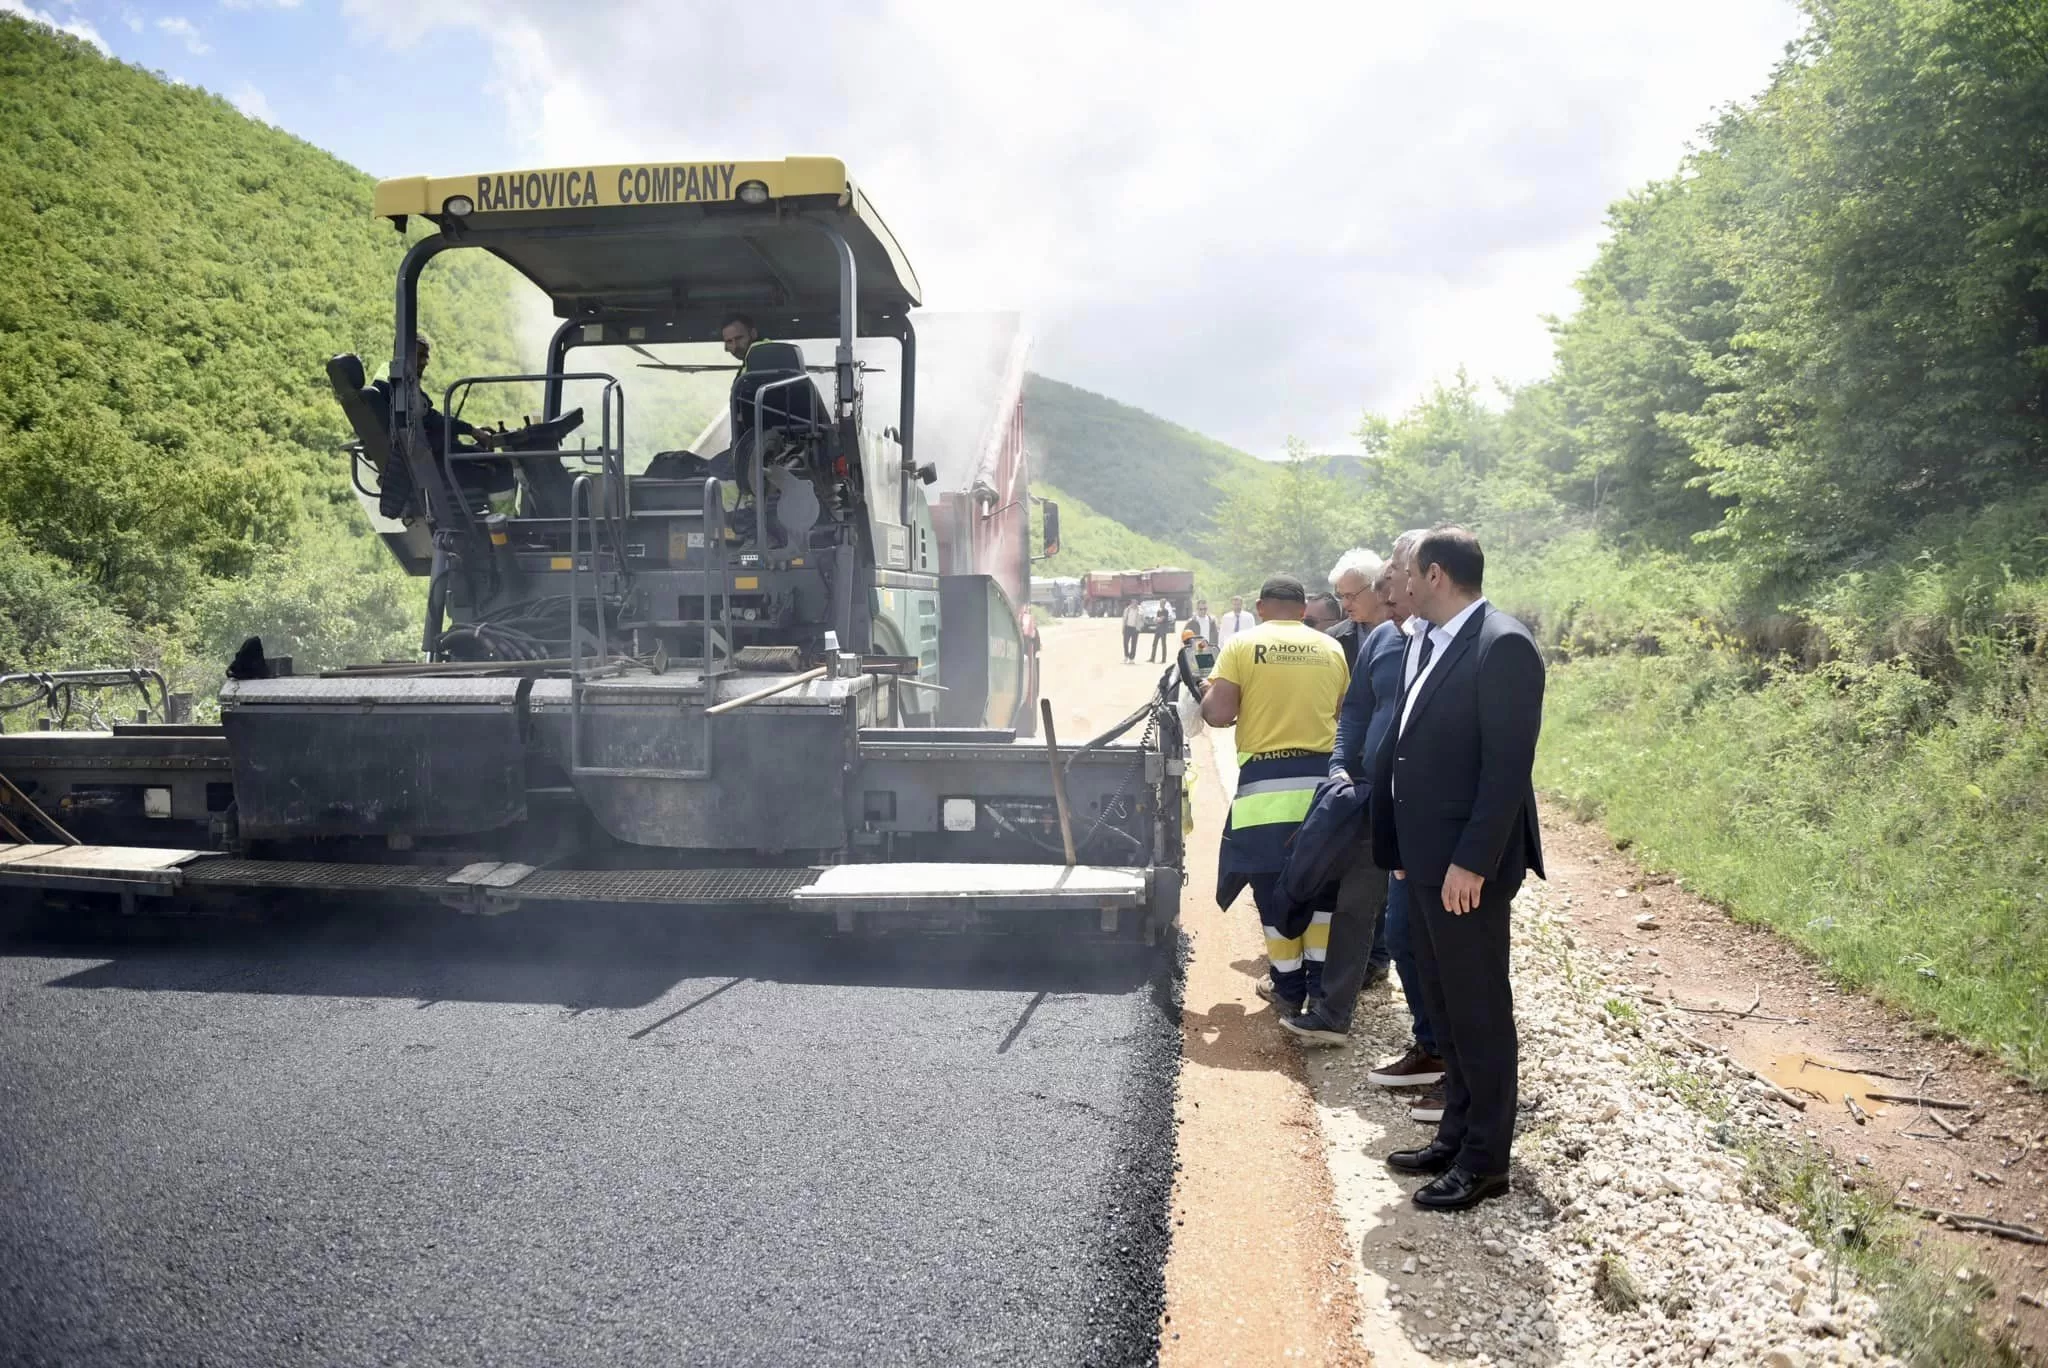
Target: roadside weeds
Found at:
1672, 1206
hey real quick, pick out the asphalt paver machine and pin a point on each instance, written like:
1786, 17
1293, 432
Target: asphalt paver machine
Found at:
735, 678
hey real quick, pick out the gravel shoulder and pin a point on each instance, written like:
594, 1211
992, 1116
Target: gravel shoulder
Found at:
1643, 1229
1630, 1237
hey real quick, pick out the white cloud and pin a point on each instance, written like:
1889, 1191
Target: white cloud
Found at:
1255, 222
259, 4
184, 30
132, 20
251, 102
77, 28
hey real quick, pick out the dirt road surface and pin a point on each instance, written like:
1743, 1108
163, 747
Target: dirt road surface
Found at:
1258, 1271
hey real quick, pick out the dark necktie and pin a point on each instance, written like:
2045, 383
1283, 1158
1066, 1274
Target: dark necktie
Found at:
1421, 664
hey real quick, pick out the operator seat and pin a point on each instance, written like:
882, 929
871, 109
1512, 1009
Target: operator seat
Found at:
369, 413
800, 407
794, 411
795, 435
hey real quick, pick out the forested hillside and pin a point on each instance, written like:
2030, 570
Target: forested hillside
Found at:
1090, 540
1154, 477
172, 278
1781, 512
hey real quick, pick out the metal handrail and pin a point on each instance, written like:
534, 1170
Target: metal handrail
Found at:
610, 454
760, 473
714, 542
579, 492
579, 495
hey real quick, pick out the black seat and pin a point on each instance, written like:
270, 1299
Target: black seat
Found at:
369, 413
688, 465
799, 407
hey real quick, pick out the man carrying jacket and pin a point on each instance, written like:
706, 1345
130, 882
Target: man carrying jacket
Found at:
1279, 684
1368, 709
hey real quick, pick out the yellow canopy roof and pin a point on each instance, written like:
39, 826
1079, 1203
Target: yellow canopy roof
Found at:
672, 238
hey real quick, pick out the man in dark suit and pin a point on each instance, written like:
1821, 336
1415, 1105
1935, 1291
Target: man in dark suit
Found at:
1454, 813
1358, 954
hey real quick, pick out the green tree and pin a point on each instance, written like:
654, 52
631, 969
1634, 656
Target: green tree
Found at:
1296, 521
1889, 242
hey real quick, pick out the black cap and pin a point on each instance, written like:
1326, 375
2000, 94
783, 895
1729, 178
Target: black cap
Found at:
1283, 589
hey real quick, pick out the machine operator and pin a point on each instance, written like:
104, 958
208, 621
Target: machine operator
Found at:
738, 333
492, 480
438, 425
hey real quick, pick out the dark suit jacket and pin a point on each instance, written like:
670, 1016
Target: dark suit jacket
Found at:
1465, 795
1369, 703
1351, 637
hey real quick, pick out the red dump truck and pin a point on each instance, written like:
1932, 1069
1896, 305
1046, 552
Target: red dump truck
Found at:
1106, 592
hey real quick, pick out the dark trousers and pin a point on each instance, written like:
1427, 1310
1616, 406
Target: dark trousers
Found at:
1356, 938
1130, 643
1399, 928
1464, 963
1158, 647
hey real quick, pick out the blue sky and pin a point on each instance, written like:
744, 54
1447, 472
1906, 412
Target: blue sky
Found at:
1259, 220
315, 72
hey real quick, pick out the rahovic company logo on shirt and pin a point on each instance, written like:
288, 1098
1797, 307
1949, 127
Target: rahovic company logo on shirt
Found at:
1285, 652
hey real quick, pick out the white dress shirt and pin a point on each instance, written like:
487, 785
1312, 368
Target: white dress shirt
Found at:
1442, 637
1412, 627
1243, 620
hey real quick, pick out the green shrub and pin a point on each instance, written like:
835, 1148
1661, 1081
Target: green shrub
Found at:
330, 602
1894, 827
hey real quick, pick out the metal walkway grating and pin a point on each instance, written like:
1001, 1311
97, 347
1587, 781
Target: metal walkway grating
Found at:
315, 874
546, 885
664, 885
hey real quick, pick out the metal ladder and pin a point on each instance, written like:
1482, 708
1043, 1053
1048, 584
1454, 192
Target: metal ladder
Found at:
715, 574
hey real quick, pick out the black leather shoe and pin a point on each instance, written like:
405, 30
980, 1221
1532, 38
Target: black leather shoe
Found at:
1431, 1158
1460, 1188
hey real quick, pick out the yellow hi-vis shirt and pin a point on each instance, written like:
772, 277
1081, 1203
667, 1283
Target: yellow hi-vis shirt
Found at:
1291, 680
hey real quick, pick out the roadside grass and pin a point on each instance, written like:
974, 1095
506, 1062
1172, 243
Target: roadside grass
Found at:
1929, 1313
1861, 765
1894, 826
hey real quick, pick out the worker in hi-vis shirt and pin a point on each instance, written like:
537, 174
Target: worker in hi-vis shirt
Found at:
1280, 684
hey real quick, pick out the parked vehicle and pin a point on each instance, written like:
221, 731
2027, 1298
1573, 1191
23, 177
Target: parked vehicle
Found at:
1105, 593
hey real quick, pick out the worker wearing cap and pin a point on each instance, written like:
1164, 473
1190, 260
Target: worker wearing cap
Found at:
1280, 684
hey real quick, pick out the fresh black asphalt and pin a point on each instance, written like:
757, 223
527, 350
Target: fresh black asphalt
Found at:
582, 1142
